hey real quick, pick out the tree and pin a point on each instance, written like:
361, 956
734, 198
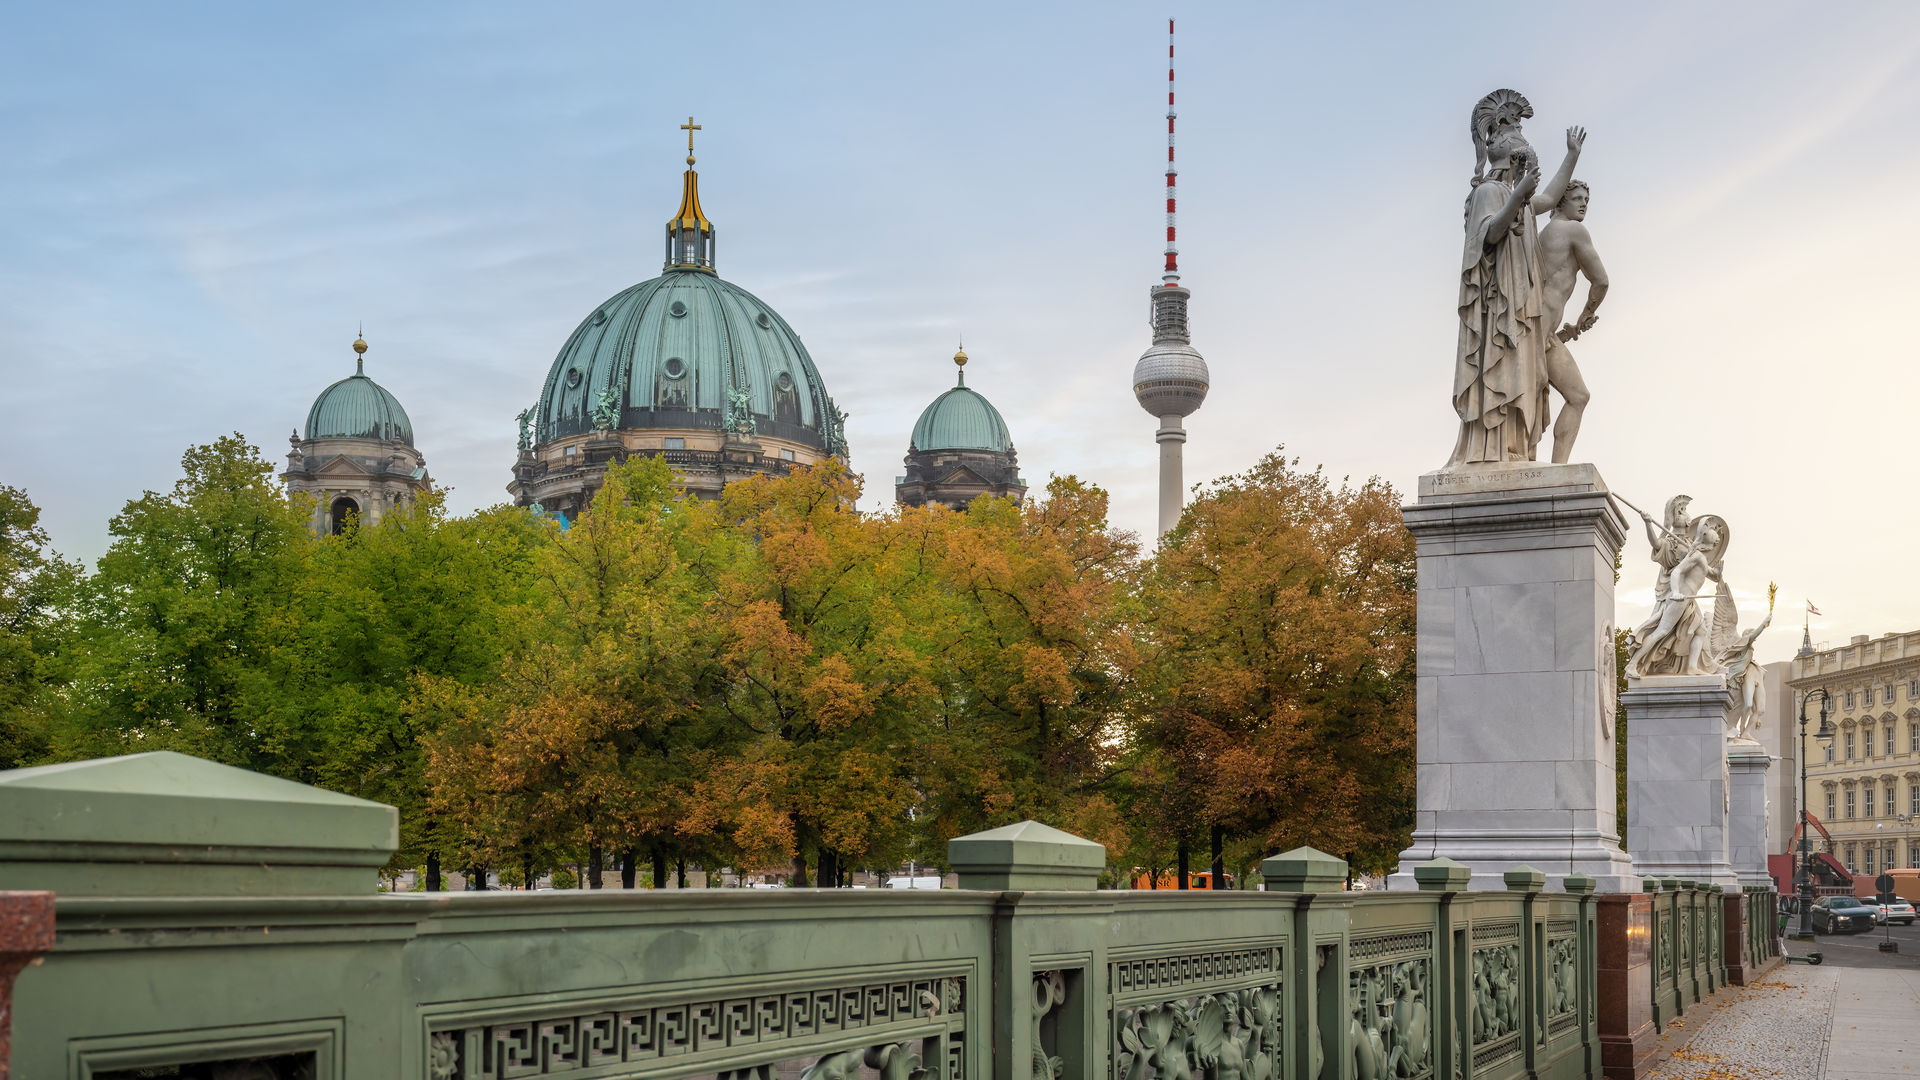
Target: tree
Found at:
37, 590
185, 613
1276, 630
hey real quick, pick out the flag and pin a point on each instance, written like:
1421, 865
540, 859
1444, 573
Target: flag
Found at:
1811, 610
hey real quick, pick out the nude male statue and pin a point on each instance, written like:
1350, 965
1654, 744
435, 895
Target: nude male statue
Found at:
1566, 250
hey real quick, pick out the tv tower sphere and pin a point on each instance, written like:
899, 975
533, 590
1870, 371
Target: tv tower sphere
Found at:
1171, 378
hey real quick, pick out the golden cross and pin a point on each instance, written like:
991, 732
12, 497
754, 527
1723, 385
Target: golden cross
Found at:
689, 127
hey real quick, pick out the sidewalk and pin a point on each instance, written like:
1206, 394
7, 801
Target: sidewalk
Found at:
1808, 1023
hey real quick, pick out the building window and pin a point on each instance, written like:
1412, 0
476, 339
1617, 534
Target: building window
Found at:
1890, 804
1829, 751
1849, 805
1913, 689
1913, 738
1889, 740
1913, 853
1913, 797
786, 455
1866, 741
1886, 695
1849, 699
1847, 857
1866, 801
1868, 853
1849, 746
343, 513
570, 451
1829, 806
672, 443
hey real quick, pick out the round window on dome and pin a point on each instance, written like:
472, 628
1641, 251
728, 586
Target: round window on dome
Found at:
677, 309
784, 382
573, 378
675, 367
765, 323
599, 316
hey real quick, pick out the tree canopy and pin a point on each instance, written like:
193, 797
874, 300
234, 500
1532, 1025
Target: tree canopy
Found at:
769, 680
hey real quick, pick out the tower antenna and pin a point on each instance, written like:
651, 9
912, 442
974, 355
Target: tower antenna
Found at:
1172, 273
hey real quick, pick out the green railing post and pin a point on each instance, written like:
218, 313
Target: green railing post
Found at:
1582, 886
1449, 879
1528, 883
1319, 980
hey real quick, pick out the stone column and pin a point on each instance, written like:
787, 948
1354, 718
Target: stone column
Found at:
1747, 766
1516, 674
1677, 793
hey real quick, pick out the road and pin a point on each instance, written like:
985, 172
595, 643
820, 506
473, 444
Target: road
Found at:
1863, 950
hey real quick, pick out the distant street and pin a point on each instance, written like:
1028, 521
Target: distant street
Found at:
1863, 950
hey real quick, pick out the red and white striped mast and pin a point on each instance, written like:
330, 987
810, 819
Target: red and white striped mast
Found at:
1172, 274
1171, 379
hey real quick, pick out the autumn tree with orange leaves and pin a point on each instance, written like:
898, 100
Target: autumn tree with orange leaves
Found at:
1276, 637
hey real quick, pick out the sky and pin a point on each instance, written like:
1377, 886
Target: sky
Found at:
201, 204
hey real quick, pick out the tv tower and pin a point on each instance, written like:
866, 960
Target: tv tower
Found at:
1170, 381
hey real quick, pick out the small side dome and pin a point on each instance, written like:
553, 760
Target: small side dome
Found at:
356, 407
961, 419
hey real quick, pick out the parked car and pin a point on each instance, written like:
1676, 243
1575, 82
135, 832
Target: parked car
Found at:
1842, 915
1899, 911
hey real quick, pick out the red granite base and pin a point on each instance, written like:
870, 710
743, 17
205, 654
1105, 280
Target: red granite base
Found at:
1624, 927
26, 934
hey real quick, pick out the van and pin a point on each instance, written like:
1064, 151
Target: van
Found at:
1906, 884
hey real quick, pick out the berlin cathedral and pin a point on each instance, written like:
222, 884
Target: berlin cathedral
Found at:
687, 366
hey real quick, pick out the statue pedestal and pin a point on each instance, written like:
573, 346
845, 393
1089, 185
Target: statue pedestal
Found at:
1516, 674
1747, 765
1677, 773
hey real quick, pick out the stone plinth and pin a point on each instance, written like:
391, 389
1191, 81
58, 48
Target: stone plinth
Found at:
1623, 926
1747, 841
1516, 674
1677, 797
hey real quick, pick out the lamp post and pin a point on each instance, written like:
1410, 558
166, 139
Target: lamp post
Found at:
1806, 839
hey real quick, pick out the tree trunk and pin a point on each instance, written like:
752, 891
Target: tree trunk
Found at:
659, 869
1219, 841
1184, 860
680, 873
799, 868
526, 871
433, 871
829, 875
594, 856
627, 868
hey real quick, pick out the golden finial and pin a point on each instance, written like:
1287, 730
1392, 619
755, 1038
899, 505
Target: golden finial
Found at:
960, 361
689, 127
360, 350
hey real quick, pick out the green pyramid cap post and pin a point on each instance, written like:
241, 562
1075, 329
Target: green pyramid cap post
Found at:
1524, 878
167, 824
1580, 884
1305, 870
1026, 857
1668, 884
1442, 875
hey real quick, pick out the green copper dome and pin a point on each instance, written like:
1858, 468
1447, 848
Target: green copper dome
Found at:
356, 407
961, 419
665, 352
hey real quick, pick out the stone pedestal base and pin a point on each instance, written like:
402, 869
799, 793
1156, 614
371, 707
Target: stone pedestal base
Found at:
1623, 925
1747, 840
1677, 795
1516, 674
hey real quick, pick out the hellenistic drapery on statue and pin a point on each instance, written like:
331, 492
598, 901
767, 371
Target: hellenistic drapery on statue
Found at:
1500, 375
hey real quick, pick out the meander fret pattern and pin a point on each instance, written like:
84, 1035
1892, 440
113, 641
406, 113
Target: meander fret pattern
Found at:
692, 1038
1148, 977
1389, 947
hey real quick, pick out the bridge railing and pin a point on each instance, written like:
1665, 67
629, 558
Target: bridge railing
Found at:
205, 931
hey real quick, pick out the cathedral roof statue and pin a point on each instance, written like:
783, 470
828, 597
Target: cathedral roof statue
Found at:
961, 419
356, 407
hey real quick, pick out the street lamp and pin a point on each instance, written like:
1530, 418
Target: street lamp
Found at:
1806, 840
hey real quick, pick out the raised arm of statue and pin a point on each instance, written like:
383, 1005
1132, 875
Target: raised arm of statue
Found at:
1549, 196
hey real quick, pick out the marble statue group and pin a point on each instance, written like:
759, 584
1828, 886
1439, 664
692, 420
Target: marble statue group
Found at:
1515, 281
1676, 639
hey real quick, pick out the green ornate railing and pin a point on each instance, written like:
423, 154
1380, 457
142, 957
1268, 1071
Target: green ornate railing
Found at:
1026, 972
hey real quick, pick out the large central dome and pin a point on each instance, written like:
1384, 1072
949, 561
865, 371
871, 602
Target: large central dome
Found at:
669, 349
